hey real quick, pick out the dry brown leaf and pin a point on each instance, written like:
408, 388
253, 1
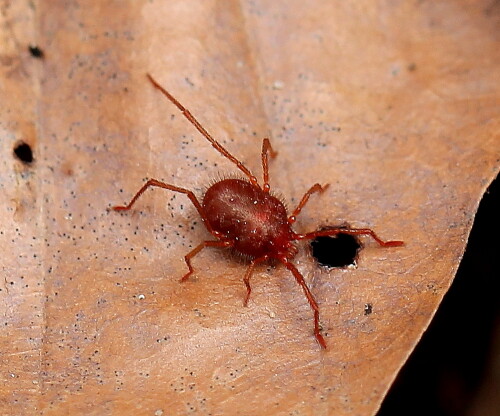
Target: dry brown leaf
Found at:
395, 104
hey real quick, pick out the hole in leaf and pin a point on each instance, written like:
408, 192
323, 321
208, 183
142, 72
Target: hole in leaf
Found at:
368, 309
23, 152
36, 52
340, 250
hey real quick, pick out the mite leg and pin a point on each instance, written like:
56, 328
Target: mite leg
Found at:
249, 273
310, 298
315, 188
267, 149
197, 249
350, 231
221, 149
190, 194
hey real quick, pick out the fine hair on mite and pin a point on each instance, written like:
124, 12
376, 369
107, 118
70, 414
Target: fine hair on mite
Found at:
244, 215
222, 176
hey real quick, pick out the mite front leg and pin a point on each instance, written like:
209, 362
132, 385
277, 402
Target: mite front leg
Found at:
159, 184
315, 188
267, 149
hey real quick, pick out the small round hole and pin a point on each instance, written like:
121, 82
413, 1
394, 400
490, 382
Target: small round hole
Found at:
36, 52
368, 309
23, 152
336, 251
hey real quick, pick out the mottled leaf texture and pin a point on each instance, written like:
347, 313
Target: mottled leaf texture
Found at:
393, 103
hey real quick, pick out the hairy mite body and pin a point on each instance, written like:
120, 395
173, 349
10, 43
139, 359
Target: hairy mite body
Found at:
243, 215
254, 219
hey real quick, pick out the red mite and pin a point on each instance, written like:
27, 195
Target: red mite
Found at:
243, 215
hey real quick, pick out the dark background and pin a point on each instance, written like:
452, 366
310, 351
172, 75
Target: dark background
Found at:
452, 370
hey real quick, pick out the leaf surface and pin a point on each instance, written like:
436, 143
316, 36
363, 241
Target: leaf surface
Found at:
394, 104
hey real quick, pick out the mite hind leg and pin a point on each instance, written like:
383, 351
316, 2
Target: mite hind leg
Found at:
197, 249
310, 298
350, 231
249, 273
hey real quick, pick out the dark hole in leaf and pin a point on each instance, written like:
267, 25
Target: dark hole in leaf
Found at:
368, 309
23, 152
36, 52
336, 251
